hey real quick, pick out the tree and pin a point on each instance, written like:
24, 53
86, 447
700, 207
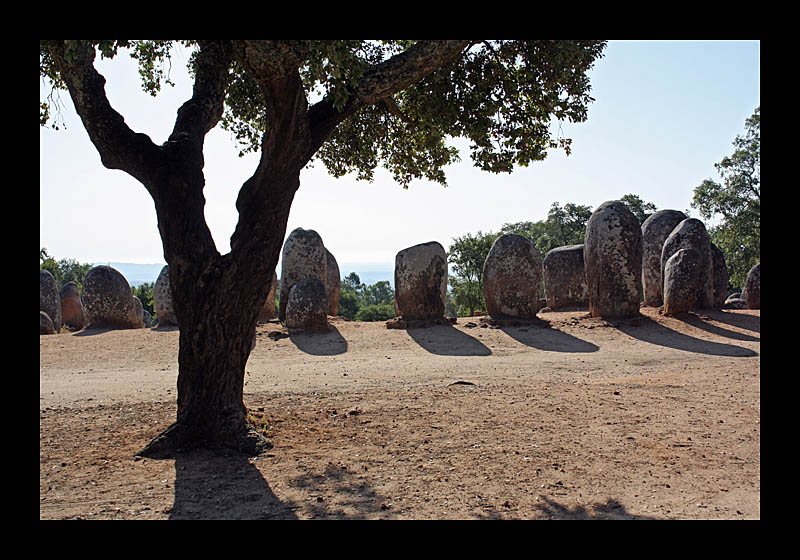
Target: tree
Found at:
64, 270
392, 103
467, 254
738, 200
641, 209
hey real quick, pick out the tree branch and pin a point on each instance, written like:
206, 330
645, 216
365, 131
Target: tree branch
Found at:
203, 111
119, 146
384, 80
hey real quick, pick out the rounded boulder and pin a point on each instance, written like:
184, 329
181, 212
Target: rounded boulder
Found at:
691, 234
307, 306
109, 301
512, 278
72, 312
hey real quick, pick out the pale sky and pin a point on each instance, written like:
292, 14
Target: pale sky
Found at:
664, 113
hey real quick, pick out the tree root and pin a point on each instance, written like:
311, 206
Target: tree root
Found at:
180, 437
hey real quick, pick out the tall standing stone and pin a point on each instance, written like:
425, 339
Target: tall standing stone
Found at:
108, 300
49, 298
304, 256
72, 312
720, 277
268, 309
752, 287
162, 299
682, 278
512, 278
565, 277
655, 230
691, 234
334, 284
420, 282
612, 254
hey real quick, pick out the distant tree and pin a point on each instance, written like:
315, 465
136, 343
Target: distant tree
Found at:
641, 209
737, 199
375, 312
466, 256
145, 294
380, 293
64, 270
350, 104
564, 226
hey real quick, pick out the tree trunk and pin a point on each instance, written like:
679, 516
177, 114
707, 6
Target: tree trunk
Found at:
217, 299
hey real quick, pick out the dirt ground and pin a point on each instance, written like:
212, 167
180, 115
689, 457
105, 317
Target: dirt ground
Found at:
651, 418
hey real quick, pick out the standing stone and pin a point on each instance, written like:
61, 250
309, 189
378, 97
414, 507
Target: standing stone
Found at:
612, 254
420, 282
719, 277
139, 310
268, 310
45, 324
49, 298
162, 299
303, 256
655, 231
72, 312
565, 277
682, 277
692, 234
752, 287
307, 305
334, 284
512, 277
108, 300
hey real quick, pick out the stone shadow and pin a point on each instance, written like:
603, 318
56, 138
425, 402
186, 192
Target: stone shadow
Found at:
740, 320
223, 485
542, 337
446, 340
648, 330
698, 322
328, 343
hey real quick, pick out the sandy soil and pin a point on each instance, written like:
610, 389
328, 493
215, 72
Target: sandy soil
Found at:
652, 418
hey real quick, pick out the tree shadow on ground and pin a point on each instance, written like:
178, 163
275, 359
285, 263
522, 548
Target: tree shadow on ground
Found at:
340, 493
698, 322
446, 340
612, 509
223, 485
648, 330
545, 338
329, 343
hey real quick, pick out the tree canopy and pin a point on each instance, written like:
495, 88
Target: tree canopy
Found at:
500, 95
737, 199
